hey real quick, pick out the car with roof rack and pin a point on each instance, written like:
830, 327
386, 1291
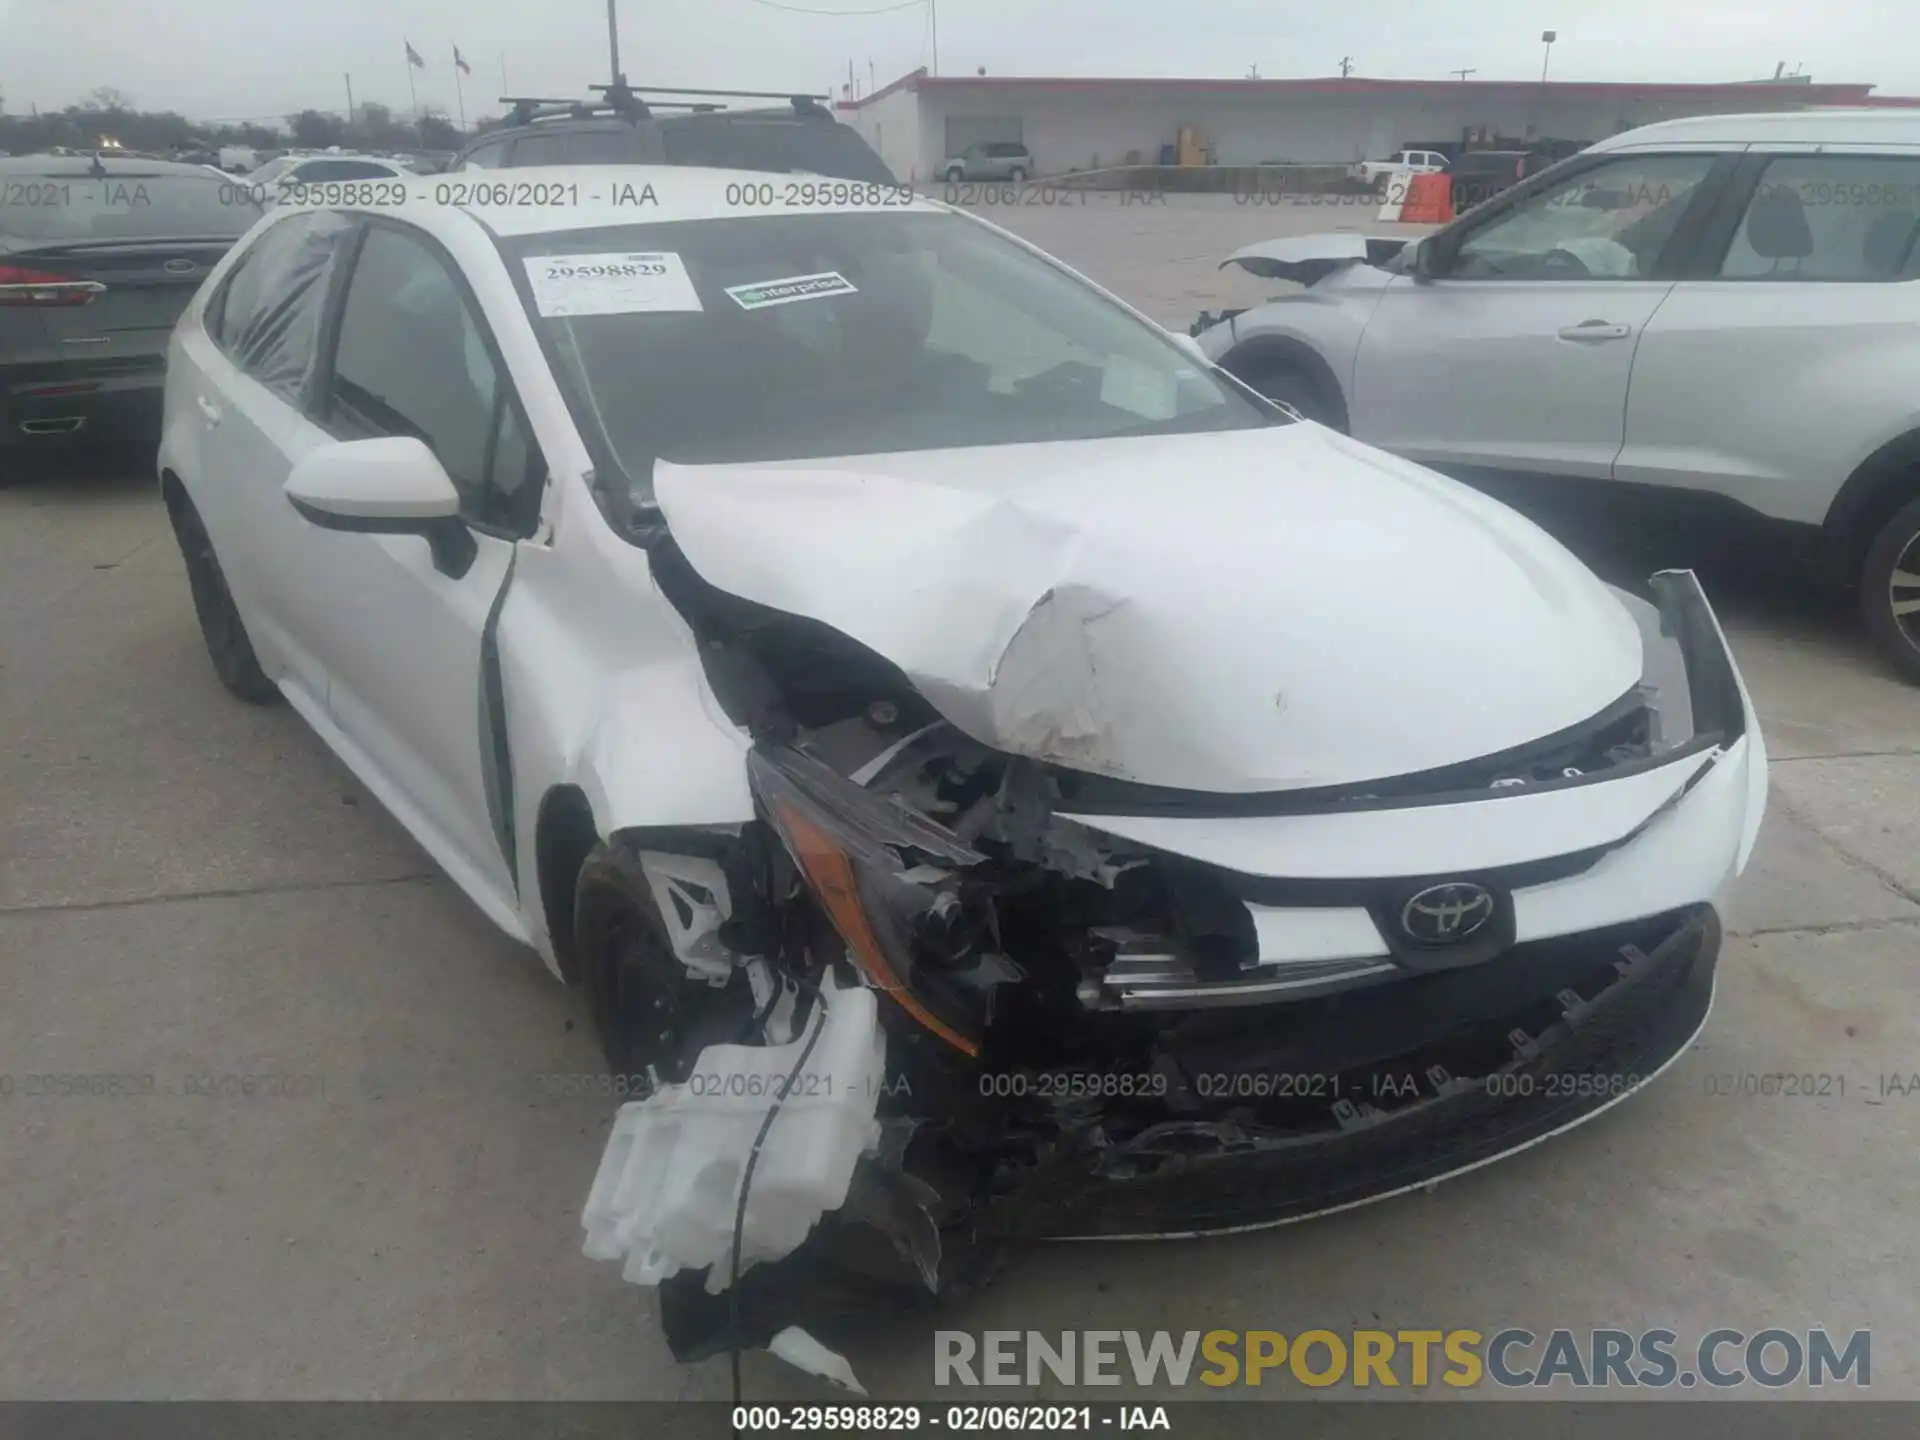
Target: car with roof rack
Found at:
844, 615
634, 125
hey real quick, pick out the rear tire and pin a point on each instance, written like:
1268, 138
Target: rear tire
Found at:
220, 625
1293, 386
1018, 175
1890, 578
653, 1017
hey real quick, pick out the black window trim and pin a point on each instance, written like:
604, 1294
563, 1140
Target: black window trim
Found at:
1668, 265
1730, 209
321, 399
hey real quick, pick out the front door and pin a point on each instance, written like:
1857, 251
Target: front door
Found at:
1516, 354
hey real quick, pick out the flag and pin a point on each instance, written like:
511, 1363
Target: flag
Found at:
465, 69
413, 56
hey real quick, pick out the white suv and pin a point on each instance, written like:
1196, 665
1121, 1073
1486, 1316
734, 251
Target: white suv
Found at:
1722, 307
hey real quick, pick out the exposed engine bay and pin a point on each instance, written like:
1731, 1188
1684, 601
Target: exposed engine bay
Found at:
1082, 1035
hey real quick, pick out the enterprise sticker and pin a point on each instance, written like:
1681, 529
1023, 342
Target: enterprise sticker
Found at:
794, 287
611, 284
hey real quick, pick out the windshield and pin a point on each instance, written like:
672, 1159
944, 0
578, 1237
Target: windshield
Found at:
123, 207
793, 337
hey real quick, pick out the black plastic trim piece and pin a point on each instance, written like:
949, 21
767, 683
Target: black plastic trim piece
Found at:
496, 755
447, 536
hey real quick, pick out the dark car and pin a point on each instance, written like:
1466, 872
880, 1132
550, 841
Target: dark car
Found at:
98, 257
799, 137
1479, 175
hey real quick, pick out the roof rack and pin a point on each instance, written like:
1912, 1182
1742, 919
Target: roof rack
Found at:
621, 98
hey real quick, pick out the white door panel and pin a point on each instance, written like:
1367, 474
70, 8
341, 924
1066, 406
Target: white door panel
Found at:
400, 642
251, 438
1511, 374
1770, 394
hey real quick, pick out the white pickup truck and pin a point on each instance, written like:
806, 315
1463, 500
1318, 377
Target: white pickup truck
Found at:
1401, 162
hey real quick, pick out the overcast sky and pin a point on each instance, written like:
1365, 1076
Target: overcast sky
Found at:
221, 59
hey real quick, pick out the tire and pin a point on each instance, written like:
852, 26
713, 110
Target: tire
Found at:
1018, 175
955, 175
1894, 553
221, 628
1292, 385
653, 1018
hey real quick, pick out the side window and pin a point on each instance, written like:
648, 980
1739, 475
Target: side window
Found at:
1830, 217
267, 314
490, 156
1607, 223
549, 149
412, 359
600, 147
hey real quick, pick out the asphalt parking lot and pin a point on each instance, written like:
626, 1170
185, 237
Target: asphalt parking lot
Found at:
193, 888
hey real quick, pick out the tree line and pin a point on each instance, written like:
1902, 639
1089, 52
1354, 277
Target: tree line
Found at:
108, 114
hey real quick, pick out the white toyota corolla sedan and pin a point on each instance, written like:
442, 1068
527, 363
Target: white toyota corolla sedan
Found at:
768, 598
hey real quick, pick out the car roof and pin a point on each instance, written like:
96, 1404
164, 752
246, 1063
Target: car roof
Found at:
608, 193
82, 166
1893, 126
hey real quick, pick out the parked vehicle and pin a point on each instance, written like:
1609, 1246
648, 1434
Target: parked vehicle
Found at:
1400, 163
844, 621
632, 126
290, 175
989, 160
1717, 311
98, 257
1479, 175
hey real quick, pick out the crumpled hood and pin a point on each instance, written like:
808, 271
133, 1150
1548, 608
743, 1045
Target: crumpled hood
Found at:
1231, 612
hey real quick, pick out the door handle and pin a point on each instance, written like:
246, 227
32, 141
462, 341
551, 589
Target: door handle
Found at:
208, 409
1595, 330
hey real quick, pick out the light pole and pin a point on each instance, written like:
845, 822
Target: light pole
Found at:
1547, 37
613, 43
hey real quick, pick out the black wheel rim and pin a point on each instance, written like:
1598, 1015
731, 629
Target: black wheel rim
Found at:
1903, 591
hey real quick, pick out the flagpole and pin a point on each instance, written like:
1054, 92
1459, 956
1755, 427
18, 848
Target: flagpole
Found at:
459, 94
413, 95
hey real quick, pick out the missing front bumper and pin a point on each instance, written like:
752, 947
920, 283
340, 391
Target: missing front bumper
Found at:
1602, 1047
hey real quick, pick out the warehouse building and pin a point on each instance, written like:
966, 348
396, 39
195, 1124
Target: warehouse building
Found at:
1082, 124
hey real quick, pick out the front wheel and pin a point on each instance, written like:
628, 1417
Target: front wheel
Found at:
653, 1015
1890, 590
1018, 174
955, 175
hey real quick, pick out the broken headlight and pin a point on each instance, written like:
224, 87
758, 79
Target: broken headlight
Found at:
888, 879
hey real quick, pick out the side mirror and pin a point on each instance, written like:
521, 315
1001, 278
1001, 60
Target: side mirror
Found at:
1424, 262
391, 485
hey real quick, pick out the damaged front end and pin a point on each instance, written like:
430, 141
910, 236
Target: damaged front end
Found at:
1049, 1003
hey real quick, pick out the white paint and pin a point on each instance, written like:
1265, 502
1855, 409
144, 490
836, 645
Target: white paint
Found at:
1132, 606
387, 478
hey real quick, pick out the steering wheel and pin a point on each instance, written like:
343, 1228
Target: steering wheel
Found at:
1564, 261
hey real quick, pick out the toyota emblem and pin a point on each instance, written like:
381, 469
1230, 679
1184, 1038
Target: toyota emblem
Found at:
1447, 914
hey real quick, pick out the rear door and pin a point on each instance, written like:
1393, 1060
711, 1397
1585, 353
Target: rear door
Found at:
1516, 355
251, 372
1770, 372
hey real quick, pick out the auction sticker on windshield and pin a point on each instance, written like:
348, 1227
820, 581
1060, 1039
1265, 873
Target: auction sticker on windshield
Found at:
794, 287
611, 284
